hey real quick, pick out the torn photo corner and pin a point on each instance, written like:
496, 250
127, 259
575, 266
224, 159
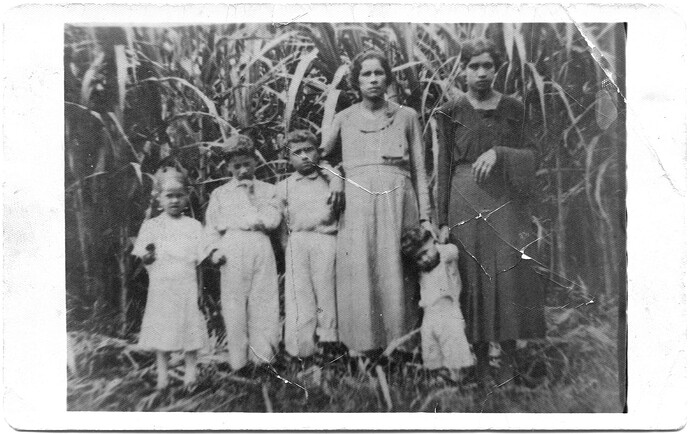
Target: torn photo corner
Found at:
451, 212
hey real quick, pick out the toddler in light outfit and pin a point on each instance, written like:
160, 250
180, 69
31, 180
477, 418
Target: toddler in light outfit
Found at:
311, 221
444, 344
239, 217
170, 246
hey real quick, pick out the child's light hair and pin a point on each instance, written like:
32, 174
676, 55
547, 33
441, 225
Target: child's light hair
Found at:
165, 174
413, 240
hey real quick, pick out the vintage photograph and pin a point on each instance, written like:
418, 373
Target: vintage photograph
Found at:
346, 217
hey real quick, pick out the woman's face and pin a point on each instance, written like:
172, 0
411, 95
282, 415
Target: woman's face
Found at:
480, 72
372, 79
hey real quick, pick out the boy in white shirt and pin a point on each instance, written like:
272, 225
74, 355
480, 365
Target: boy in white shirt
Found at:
444, 344
239, 216
312, 224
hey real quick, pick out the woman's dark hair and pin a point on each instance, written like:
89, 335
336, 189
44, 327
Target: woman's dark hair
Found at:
366, 55
475, 47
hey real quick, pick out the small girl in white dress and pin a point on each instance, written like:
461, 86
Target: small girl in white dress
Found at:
170, 246
444, 344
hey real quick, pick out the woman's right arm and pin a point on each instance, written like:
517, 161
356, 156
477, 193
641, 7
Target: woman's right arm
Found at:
330, 142
444, 121
331, 151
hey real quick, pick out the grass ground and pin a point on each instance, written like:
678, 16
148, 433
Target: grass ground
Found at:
575, 373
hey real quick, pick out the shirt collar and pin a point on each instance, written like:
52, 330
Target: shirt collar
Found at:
313, 175
244, 183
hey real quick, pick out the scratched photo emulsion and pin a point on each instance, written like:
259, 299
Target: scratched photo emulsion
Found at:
345, 217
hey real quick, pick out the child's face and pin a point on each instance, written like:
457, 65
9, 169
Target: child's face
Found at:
427, 257
242, 167
173, 198
480, 72
303, 157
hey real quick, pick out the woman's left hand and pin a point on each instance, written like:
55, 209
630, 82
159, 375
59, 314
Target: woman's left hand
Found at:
482, 167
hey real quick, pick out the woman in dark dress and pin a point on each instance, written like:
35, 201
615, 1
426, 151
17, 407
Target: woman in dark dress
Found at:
486, 170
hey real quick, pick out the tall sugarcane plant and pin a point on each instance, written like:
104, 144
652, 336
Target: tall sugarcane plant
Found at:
140, 97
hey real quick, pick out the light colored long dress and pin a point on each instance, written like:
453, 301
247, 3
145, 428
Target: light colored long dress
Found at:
172, 319
386, 193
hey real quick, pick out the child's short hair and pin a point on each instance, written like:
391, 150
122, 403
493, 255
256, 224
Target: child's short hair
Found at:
413, 240
167, 173
300, 136
238, 145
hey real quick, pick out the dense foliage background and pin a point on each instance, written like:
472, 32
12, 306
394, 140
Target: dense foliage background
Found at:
140, 97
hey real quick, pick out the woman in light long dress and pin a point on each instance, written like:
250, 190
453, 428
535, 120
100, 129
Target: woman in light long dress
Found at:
380, 145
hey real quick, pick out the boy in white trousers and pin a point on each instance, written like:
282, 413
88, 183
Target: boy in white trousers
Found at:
444, 344
239, 216
311, 221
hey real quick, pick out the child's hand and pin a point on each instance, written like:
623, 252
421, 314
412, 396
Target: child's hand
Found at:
217, 258
150, 254
431, 228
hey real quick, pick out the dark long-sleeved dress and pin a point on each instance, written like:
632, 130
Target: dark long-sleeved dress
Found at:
490, 222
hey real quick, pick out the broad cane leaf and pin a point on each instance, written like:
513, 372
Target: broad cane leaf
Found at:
121, 69
295, 83
137, 170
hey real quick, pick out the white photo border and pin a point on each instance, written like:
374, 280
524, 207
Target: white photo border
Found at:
33, 203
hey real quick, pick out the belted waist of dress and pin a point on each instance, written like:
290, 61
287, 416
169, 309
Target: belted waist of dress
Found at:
331, 231
247, 232
397, 167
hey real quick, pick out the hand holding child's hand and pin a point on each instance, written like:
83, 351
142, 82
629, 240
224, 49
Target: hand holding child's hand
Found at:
429, 227
217, 258
336, 199
150, 254
444, 234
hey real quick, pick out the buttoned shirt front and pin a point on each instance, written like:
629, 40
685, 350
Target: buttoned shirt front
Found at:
304, 200
250, 205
